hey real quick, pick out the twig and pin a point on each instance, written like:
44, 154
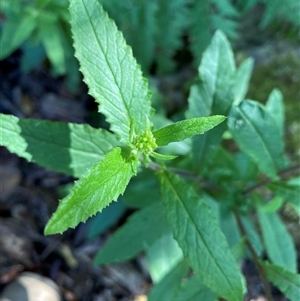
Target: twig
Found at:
259, 268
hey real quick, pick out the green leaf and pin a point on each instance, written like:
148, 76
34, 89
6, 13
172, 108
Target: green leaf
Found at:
185, 129
278, 242
63, 147
140, 231
105, 219
242, 78
256, 133
109, 69
163, 256
194, 290
166, 289
275, 107
50, 36
15, 32
289, 191
101, 185
212, 95
287, 282
198, 234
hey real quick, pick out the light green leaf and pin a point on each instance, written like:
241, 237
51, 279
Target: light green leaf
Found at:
140, 231
101, 185
287, 282
198, 234
109, 69
275, 107
278, 242
15, 32
242, 79
166, 289
163, 256
185, 129
194, 290
64, 147
256, 133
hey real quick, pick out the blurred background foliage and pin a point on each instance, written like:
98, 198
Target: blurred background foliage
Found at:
168, 38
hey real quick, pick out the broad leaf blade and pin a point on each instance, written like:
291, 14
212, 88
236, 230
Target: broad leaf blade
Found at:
287, 282
242, 79
256, 133
101, 185
186, 129
141, 230
278, 242
63, 147
194, 290
198, 234
163, 256
109, 69
168, 286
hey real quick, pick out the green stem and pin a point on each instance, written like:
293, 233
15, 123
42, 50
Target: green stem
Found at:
259, 267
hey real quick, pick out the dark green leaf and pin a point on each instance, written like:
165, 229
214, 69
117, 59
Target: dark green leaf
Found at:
198, 234
287, 282
64, 147
278, 242
140, 231
101, 185
256, 133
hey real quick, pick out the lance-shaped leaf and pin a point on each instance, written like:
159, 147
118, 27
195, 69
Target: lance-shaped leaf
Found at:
193, 289
257, 134
212, 95
241, 82
198, 234
64, 147
110, 71
102, 184
185, 129
287, 282
278, 242
140, 231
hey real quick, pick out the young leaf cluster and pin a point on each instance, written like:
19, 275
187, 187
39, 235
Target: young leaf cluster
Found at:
203, 213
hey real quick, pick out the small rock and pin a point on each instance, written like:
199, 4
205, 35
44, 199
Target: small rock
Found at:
31, 287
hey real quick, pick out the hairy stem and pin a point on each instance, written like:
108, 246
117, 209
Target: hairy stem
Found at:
259, 267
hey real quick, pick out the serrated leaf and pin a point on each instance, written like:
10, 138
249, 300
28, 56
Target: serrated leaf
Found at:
256, 133
185, 129
140, 231
275, 107
109, 69
15, 32
168, 286
163, 256
64, 147
194, 290
198, 234
278, 242
101, 185
242, 78
287, 282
